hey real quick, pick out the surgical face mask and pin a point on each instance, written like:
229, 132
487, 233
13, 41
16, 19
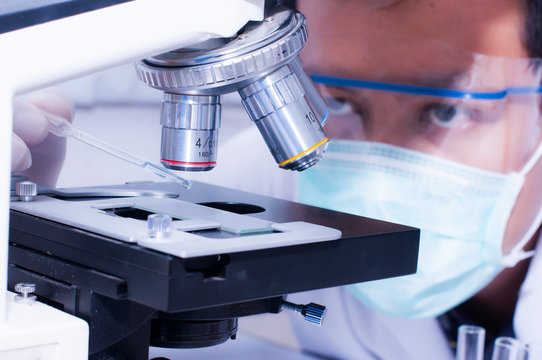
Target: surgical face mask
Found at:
430, 136
462, 212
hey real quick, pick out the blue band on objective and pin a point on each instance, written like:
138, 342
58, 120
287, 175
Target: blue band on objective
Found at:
429, 91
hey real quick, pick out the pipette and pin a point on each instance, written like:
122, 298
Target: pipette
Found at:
62, 127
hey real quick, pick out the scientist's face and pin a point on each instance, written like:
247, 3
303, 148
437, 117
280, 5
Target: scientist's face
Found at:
432, 43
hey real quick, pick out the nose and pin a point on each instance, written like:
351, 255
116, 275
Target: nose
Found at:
386, 119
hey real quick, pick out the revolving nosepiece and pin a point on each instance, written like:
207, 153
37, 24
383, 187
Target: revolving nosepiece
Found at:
261, 63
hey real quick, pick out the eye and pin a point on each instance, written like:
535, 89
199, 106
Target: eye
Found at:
445, 115
338, 106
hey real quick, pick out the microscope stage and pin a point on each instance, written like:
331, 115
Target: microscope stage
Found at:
226, 246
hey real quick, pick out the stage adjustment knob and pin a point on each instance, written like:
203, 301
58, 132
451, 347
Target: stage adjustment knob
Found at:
26, 190
313, 313
25, 291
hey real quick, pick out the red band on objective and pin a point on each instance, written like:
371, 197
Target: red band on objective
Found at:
174, 162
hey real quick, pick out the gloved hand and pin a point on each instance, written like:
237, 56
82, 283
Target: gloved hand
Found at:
35, 152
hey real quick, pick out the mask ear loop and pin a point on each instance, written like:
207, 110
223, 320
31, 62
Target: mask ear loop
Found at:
517, 254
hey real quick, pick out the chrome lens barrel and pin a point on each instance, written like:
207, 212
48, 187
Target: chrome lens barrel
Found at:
289, 116
262, 64
190, 126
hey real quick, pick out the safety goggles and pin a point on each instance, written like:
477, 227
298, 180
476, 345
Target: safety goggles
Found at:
479, 110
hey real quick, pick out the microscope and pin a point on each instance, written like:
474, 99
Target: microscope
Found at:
105, 272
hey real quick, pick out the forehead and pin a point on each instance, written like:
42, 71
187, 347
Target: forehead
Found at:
478, 26
395, 39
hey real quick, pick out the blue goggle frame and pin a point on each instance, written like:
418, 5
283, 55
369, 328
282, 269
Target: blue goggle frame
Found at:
428, 91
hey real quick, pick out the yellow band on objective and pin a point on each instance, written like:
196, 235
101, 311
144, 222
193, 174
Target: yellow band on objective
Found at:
303, 153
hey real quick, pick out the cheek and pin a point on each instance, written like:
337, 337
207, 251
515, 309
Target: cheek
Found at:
529, 200
522, 132
502, 141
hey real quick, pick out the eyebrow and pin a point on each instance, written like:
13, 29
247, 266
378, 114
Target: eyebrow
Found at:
437, 85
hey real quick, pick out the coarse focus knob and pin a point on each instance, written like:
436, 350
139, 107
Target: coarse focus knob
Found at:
159, 225
25, 290
313, 313
26, 190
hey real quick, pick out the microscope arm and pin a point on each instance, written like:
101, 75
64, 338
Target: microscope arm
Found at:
46, 54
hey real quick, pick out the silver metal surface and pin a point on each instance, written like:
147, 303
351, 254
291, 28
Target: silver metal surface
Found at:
260, 49
312, 312
289, 121
24, 295
195, 112
26, 190
260, 63
130, 189
312, 96
25, 288
190, 126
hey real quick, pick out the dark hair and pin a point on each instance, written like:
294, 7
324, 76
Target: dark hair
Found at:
288, 3
532, 38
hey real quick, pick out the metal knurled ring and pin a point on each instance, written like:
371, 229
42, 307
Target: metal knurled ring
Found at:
25, 288
270, 99
206, 118
227, 71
